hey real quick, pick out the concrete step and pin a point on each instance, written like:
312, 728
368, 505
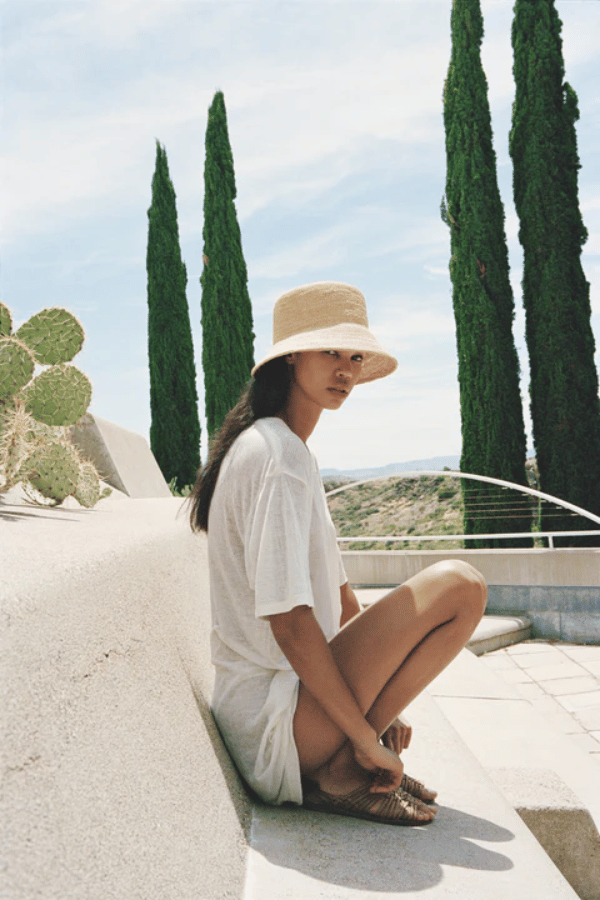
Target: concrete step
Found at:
494, 632
546, 777
478, 847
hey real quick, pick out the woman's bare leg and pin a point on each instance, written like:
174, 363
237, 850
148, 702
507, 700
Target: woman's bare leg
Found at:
387, 655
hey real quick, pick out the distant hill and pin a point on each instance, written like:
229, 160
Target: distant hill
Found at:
414, 465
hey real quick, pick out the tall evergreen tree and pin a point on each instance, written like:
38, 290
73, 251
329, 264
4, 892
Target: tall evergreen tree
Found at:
493, 433
175, 426
227, 335
564, 383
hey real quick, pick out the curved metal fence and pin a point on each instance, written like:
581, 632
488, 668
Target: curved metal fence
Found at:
507, 511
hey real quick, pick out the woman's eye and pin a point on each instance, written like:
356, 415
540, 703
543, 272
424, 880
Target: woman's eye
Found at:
358, 357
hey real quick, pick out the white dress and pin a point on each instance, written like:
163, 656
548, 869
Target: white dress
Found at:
272, 546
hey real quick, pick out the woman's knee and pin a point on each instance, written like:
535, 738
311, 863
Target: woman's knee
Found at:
466, 583
473, 587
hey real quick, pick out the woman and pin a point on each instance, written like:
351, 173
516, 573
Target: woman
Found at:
308, 688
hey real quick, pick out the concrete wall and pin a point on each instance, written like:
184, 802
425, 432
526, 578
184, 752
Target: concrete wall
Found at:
115, 780
123, 458
559, 590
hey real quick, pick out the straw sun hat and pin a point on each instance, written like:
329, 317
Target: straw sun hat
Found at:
327, 315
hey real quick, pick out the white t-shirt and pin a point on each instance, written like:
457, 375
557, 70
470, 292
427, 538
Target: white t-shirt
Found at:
272, 546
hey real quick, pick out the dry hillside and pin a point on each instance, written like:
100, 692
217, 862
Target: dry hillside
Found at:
424, 505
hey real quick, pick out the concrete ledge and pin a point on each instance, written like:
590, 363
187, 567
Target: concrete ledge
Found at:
115, 780
478, 847
560, 822
116, 783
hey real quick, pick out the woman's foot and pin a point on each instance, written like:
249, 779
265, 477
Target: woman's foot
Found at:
394, 808
417, 789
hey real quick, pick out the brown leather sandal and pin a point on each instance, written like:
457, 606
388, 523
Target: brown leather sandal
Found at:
417, 789
394, 808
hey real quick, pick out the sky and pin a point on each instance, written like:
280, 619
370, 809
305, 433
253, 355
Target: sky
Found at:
335, 120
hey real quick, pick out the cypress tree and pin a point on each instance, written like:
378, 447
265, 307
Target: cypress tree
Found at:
175, 426
493, 433
227, 335
564, 383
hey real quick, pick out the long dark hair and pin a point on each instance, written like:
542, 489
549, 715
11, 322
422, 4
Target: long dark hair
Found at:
264, 395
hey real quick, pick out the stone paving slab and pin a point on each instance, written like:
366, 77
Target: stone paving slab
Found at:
589, 718
561, 681
558, 686
582, 654
592, 666
536, 660
551, 671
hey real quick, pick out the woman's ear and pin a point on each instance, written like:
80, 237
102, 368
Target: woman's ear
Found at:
290, 358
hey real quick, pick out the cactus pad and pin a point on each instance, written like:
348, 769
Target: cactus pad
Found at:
88, 486
53, 335
5, 320
53, 470
16, 367
59, 396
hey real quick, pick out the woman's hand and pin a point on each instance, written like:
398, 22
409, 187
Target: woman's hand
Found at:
398, 735
383, 763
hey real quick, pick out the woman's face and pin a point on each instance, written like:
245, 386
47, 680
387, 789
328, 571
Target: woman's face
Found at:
324, 377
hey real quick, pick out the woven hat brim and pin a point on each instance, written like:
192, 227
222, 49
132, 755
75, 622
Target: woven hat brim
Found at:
377, 364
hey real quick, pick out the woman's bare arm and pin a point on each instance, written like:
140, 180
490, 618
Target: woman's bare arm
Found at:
350, 605
300, 637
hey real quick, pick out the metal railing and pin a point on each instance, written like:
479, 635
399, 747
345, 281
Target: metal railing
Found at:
449, 473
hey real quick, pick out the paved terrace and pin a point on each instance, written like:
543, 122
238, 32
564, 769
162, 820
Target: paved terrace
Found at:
561, 681
116, 784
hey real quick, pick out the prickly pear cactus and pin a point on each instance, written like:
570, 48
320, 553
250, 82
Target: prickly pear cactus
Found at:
5, 321
53, 335
59, 396
54, 470
34, 448
16, 367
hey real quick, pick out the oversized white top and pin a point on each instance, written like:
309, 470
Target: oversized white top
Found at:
272, 546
